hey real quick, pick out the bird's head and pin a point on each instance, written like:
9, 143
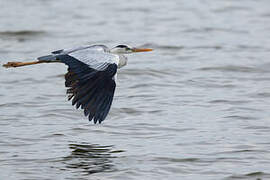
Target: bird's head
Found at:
125, 49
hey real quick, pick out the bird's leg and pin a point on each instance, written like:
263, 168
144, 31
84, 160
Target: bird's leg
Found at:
18, 64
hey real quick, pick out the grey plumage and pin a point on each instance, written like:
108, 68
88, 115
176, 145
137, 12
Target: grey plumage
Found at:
47, 58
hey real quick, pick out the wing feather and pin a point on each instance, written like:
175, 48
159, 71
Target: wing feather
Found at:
96, 56
89, 88
95, 59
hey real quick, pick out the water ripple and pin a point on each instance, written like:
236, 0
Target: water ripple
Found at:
232, 68
259, 175
21, 33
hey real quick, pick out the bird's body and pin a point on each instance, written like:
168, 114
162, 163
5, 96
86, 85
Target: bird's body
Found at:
91, 75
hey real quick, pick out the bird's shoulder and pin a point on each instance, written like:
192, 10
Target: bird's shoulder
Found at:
96, 56
97, 48
90, 56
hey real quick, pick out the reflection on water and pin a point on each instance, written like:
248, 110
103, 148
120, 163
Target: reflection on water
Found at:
90, 158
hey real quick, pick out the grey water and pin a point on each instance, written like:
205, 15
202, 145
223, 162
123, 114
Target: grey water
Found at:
197, 107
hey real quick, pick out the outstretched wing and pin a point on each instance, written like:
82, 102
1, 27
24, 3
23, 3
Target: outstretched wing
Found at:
90, 81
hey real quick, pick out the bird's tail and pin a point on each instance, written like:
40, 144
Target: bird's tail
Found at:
18, 64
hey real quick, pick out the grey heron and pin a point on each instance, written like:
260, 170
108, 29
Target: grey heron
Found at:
91, 75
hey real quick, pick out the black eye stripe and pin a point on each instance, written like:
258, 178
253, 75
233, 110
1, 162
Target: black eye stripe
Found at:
122, 46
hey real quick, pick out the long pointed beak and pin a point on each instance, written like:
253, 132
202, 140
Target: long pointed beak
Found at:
141, 49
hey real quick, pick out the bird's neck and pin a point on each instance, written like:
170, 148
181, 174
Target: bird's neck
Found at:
122, 61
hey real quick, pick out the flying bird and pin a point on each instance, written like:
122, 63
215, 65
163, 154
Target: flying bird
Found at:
91, 76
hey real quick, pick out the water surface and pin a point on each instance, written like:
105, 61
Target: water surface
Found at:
195, 108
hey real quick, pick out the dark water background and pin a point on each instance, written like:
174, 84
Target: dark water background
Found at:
195, 108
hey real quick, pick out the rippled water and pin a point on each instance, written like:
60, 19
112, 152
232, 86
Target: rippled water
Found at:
195, 108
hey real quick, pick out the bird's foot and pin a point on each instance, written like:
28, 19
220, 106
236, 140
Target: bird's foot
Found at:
12, 64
